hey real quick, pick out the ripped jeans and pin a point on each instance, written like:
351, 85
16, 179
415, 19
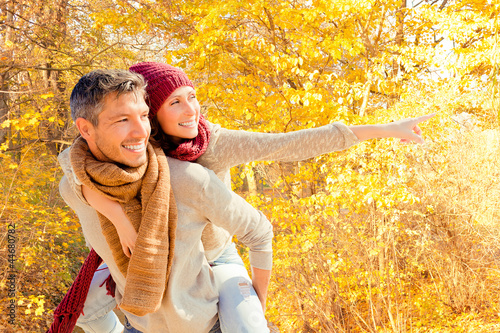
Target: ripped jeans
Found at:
239, 307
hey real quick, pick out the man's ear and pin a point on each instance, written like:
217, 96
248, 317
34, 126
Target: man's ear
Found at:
85, 127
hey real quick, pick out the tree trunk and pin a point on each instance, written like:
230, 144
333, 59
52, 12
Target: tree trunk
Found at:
399, 38
250, 176
54, 131
4, 75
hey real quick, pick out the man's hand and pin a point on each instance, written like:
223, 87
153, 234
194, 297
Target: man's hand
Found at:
260, 282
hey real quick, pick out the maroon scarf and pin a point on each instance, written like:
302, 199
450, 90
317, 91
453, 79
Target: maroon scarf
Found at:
191, 149
70, 308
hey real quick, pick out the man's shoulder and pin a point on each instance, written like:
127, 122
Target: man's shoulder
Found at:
69, 182
64, 160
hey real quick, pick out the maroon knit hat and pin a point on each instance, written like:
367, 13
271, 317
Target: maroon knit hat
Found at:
162, 80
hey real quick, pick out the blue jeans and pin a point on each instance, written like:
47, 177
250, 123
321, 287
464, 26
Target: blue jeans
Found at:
240, 309
216, 328
128, 328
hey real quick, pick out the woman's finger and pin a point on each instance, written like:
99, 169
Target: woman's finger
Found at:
417, 130
126, 251
424, 117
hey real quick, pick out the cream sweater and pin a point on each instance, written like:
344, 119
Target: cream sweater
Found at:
190, 304
228, 148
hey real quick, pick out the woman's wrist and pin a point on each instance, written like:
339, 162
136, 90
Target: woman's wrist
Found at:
367, 132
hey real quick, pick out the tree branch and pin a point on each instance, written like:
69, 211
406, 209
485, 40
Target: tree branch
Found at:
19, 147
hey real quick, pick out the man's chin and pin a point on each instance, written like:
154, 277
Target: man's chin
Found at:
134, 163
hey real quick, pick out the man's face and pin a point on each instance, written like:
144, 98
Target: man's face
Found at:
122, 132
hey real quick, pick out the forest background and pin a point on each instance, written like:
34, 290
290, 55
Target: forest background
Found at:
383, 237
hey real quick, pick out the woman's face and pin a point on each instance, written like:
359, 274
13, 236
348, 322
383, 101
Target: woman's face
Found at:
179, 114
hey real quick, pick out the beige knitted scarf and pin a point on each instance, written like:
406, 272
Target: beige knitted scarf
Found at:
145, 194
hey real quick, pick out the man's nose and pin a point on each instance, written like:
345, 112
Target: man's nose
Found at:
141, 128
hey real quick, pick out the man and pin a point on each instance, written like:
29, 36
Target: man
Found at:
167, 284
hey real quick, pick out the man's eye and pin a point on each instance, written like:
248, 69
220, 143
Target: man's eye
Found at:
122, 120
174, 102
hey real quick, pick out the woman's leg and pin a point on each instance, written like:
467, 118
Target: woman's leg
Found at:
98, 315
239, 307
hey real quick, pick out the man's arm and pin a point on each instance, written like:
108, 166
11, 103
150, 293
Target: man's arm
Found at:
260, 282
251, 227
224, 208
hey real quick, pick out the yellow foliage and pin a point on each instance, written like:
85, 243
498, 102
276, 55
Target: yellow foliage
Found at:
382, 237
39, 227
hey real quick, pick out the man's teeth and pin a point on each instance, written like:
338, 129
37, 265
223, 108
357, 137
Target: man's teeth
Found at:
187, 123
135, 147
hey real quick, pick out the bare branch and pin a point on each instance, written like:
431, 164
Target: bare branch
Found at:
30, 142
